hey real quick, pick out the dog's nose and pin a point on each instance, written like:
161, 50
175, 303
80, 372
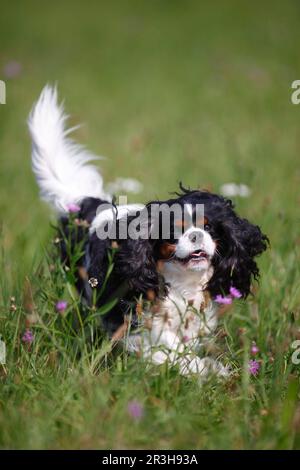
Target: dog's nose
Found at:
196, 236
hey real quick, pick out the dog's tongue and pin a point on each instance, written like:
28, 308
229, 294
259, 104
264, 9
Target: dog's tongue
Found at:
199, 254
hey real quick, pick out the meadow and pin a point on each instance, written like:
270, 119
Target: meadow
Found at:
198, 92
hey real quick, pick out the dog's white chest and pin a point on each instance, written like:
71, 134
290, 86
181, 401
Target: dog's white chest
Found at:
187, 318
186, 314
179, 324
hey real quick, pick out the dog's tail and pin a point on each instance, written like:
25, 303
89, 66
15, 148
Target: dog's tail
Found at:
60, 165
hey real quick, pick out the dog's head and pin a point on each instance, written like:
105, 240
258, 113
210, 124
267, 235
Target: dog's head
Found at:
196, 233
208, 237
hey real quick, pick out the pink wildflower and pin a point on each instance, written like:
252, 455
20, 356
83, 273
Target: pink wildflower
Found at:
73, 207
28, 337
235, 293
254, 349
61, 306
223, 300
135, 410
254, 367
12, 69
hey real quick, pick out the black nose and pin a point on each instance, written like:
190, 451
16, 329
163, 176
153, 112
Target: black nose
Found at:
195, 237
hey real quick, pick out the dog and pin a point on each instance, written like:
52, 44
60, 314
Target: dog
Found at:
163, 288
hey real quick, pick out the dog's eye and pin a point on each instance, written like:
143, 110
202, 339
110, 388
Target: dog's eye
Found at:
207, 226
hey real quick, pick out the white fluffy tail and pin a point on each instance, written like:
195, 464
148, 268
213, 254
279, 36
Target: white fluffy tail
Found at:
59, 164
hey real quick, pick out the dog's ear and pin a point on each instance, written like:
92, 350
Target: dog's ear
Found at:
234, 264
135, 262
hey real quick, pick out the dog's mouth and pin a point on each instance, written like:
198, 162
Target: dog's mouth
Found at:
195, 256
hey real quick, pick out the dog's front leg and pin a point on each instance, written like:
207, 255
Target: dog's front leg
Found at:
165, 346
168, 347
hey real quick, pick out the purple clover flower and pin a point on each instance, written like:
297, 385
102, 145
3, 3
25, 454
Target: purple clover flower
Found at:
254, 349
12, 69
73, 208
235, 293
61, 306
28, 337
253, 367
223, 300
135, 410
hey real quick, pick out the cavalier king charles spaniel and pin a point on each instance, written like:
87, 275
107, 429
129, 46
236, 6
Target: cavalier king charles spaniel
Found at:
162, 268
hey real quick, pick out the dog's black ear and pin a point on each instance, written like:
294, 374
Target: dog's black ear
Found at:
234, 264
135, 259
135, 262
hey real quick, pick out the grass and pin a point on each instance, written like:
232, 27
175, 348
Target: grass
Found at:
169, 91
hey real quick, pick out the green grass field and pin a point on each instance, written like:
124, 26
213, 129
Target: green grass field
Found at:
168, 91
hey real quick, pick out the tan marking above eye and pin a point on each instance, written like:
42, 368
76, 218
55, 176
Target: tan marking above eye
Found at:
167, 249
201, 222
180, 223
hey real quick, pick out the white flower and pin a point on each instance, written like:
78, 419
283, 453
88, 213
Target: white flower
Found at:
129, 185
93, 282
233, 189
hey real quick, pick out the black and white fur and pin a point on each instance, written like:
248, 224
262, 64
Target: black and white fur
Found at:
183, 275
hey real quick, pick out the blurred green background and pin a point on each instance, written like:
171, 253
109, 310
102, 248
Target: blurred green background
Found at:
167, 90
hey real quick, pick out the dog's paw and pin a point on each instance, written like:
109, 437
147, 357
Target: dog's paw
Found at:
203, 367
